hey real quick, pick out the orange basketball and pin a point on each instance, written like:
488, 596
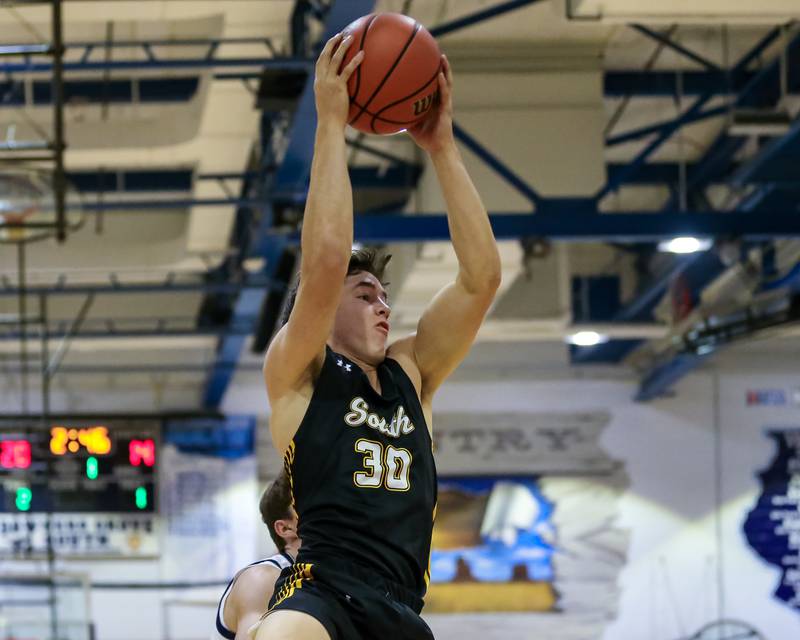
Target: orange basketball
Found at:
396, 84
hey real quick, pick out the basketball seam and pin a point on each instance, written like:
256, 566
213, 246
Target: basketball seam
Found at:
367, 112
377, 116
388, 73
361, 48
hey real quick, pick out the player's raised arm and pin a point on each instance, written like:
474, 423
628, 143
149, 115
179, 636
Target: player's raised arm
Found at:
327, 235
449, 324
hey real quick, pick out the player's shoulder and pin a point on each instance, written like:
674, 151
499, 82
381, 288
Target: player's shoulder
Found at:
255, 576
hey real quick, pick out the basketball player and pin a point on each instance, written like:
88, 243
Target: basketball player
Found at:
246, 596
353, 416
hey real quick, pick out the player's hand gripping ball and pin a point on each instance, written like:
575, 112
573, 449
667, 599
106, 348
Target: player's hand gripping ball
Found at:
396, 85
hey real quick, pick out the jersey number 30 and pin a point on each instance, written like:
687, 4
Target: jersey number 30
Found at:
388, 467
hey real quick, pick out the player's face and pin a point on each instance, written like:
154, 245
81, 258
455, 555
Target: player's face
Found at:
361, 326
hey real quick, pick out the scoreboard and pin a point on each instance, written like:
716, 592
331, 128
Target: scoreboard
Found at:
74, 466
84, 486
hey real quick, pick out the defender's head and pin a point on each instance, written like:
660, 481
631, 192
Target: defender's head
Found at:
361, 325
278, 514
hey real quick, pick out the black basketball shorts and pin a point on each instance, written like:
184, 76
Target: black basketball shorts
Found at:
350, 602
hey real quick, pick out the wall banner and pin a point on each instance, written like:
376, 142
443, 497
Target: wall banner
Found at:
772, 527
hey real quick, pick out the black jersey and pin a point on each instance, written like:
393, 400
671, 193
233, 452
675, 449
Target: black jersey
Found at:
362, 473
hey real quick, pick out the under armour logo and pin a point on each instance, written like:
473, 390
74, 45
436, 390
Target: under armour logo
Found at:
347, 367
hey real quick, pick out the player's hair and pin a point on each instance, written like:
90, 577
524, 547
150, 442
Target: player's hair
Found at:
275, 504
369, 260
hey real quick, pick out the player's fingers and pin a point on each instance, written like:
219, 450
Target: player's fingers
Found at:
444, 89
351, 66
325, 54
338, 55
448, 72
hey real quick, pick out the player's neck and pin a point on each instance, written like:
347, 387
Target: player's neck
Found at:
371, 370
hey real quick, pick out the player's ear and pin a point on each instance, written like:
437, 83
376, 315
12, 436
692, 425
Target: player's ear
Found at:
283, 527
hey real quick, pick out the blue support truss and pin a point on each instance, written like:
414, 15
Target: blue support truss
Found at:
752, 88
290, 179
578, 226
105, 181
285, 184
676, 46
761, 91
170, 285
664, 376
690, 115
496, 164
777, 162
479, 16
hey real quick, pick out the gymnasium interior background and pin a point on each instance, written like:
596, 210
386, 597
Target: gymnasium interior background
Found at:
620, 452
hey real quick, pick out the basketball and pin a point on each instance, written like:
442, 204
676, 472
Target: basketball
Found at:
396, 84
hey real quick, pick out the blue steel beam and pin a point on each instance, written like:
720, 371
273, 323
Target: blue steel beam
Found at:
401, 175
617, 84
779, 158
151, 332
292, 176
753, 93
496, 164
65, 288
144, 205
664, 376
750, 88
641, 158
676, 46
579, 225
290, 179
655, 173
713, 166
116, 91
623, 83
584, 227
665, 83
133, 369
763, 89
698, 270
701, 344
479, 16
92, 45
283, 63
666, 126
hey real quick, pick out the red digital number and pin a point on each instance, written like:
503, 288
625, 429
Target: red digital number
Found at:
15, 454
142, 452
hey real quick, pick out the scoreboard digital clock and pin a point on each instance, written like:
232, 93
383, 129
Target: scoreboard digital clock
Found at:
79, 467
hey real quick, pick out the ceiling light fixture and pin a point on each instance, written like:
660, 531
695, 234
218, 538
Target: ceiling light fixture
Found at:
586, 338
685, 245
